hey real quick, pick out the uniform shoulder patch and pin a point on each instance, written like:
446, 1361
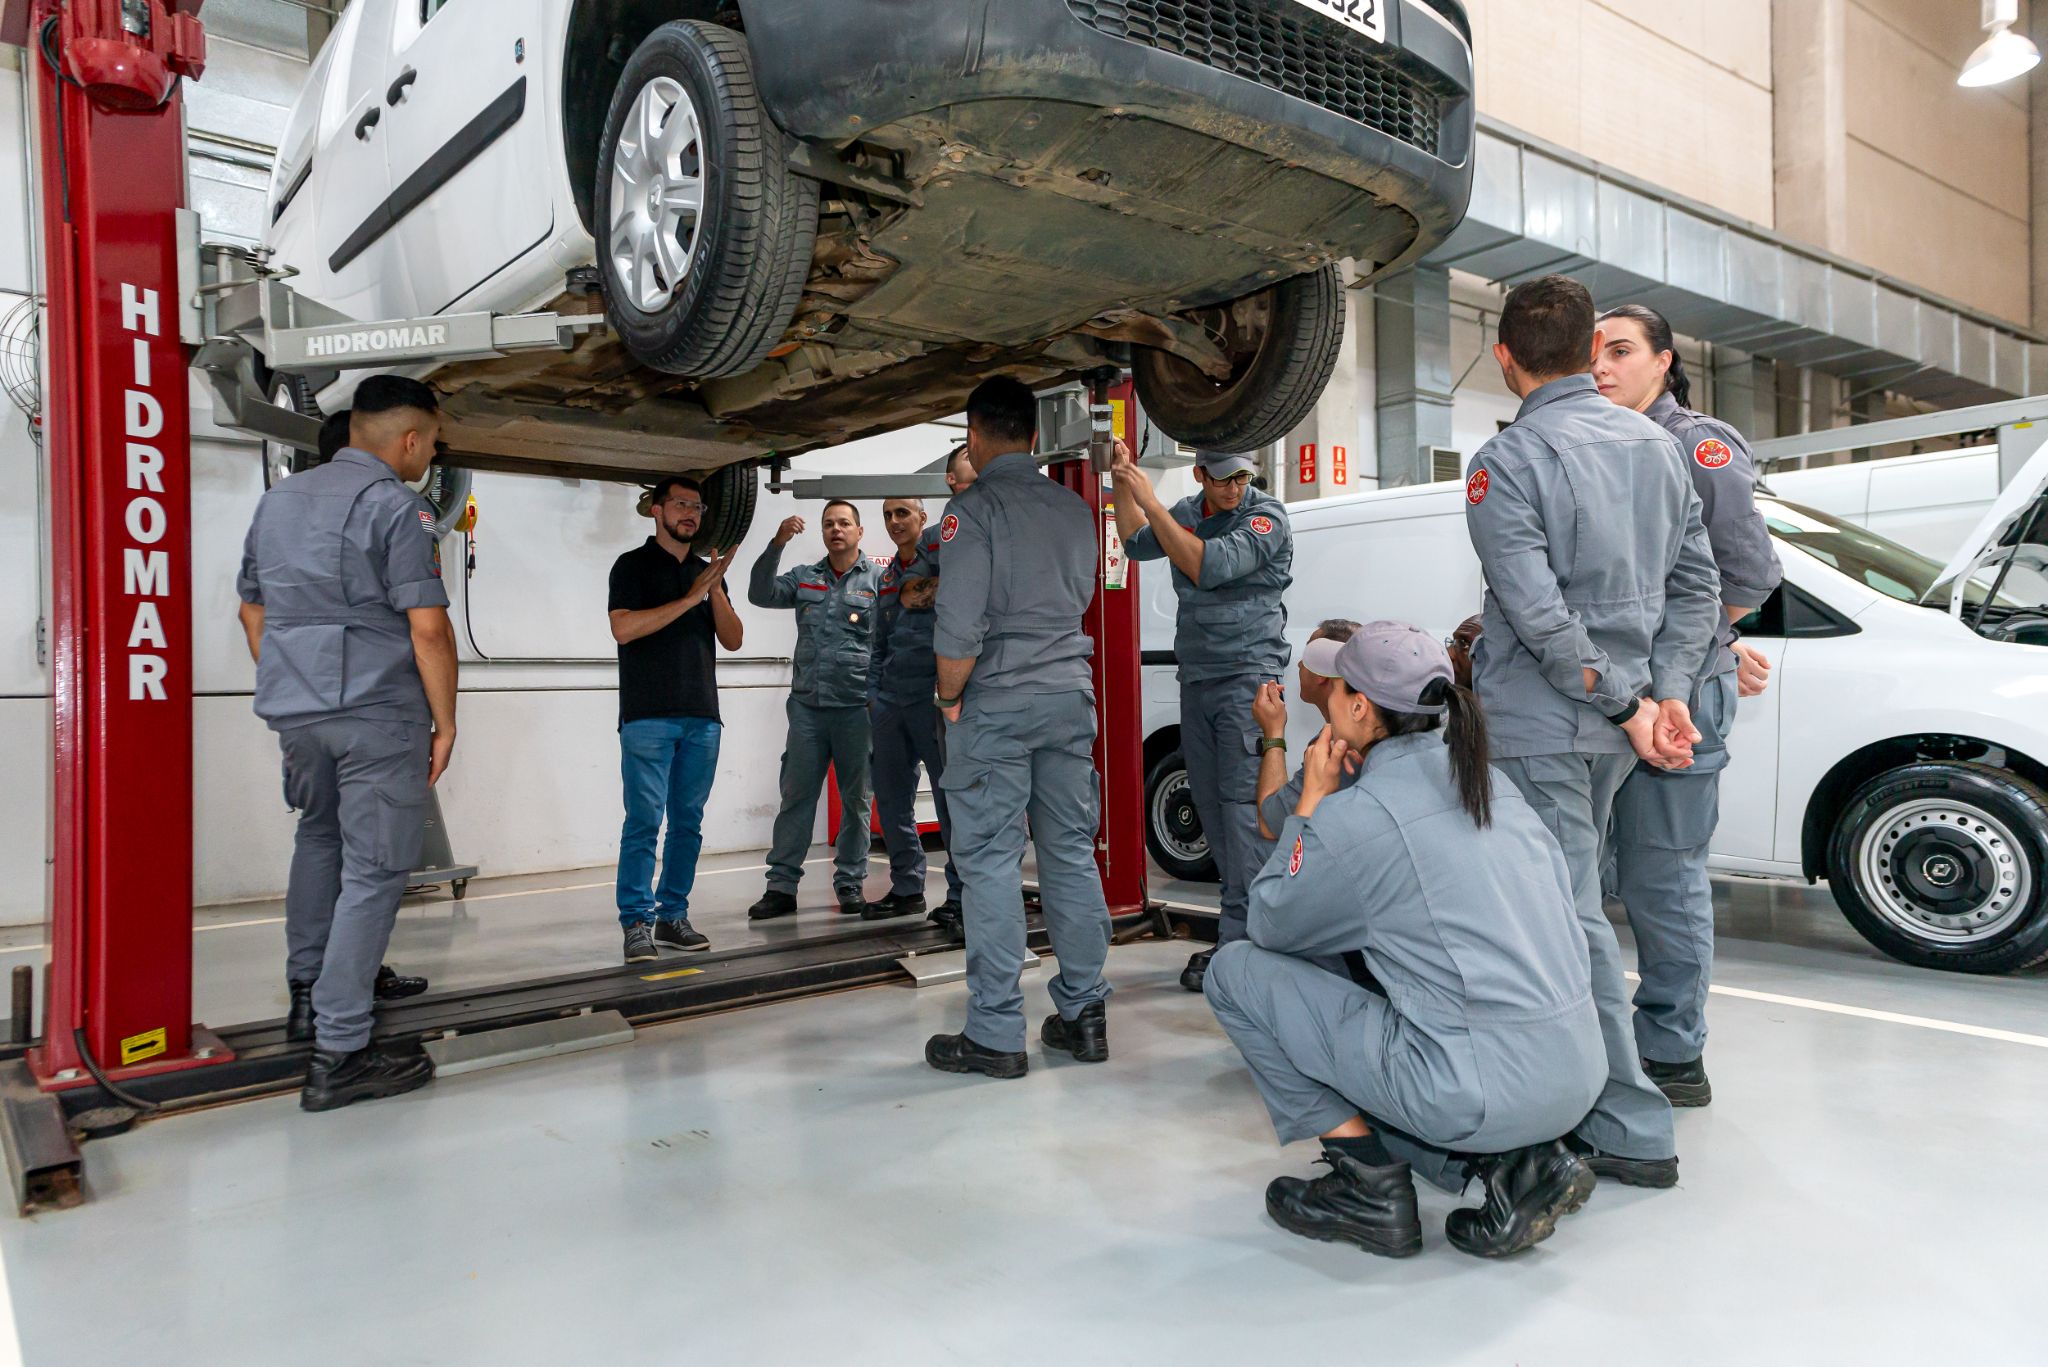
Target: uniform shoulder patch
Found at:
1262, 525
948, 527
1712, 454
1294, 859
1476, 486
427, 521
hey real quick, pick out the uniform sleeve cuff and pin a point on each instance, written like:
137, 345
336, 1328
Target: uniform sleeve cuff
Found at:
954, 647
427, 593
1748, 599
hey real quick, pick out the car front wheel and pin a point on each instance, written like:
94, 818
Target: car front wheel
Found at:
1173, 828
1282, 344
1942, 865
705, 233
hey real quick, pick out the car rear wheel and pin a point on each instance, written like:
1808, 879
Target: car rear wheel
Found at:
1282, 344
1942, 865
705, 232
730, 493
1173, 828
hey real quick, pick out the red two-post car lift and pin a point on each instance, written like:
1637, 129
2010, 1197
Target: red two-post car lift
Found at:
122, 289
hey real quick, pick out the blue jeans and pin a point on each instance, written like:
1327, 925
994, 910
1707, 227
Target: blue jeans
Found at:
667, 764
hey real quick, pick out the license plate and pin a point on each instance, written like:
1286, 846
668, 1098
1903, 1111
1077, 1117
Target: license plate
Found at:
1366, 16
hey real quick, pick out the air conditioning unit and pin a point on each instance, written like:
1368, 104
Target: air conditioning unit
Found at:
1445, 464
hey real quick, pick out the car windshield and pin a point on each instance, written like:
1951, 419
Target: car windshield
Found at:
1872, 560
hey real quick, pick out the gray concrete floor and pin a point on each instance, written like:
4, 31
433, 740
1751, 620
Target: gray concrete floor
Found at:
792, 1183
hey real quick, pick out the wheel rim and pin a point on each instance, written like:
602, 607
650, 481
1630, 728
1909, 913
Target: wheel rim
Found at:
1944, 871
1176, 823
657, 203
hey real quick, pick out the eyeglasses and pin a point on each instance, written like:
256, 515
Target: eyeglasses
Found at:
692, 506
1239, 480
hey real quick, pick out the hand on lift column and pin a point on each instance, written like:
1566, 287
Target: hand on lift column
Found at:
1752, 670
791, 526
1269, 710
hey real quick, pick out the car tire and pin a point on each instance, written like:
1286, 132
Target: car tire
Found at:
1942, 865
708, 293
282, 458
1173, 828
1282, 343
730, 494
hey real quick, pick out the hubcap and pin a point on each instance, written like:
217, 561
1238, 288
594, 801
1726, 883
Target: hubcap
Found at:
1944, 871
658, 174
1176, 822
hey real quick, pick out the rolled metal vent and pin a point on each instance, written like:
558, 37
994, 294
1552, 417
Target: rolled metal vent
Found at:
1288, 48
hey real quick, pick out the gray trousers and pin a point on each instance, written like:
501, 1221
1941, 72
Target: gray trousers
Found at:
818, 737
1663, 824
906, 737
1574, 794
1013, 755
360, 788
1220, 742
1309, 1037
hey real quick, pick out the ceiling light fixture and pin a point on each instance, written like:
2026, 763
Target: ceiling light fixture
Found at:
2003, 54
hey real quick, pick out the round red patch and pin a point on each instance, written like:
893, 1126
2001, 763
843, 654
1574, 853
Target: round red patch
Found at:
1262, 525
1294, 860
1475, 487
1712, 454
948, 527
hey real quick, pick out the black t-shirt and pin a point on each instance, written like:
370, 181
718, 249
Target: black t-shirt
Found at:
667, 673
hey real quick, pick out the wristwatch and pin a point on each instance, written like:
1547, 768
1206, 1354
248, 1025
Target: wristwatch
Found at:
1627, 714
1272, 743
944, 702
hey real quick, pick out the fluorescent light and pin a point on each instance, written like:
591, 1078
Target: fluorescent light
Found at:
1999, 58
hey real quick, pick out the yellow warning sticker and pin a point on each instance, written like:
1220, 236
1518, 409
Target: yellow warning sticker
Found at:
148, 1044
672, 973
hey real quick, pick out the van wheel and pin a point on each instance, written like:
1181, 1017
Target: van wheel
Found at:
1282, 343
704, 231
281, 458
1173, 828
1943, 865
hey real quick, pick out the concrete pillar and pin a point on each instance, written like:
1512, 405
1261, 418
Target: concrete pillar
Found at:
1809, 122
1412, 336
1331, 447
1742, 393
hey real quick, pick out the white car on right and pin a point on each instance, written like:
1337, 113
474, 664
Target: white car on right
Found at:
1901, 751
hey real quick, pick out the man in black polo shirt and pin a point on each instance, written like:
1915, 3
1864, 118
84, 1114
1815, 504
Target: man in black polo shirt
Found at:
666, 607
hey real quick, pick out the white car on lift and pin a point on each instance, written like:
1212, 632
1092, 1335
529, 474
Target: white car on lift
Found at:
809, 221
1901, 751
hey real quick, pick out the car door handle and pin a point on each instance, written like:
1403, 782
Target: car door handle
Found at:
397, 90
367, 122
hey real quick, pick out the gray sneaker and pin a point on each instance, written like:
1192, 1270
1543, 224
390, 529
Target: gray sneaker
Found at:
640, 943
680, 934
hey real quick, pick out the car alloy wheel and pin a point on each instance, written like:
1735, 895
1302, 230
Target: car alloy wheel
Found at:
1944, 870
657, 199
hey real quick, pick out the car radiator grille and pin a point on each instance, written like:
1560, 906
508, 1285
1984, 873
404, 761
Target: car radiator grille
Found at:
1288, 48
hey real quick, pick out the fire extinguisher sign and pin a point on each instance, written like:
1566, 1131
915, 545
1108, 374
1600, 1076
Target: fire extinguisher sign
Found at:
1340, 472
1308, 463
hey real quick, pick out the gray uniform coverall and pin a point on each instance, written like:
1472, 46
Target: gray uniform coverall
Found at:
1022, 564
1590, 538
1484, 1038
1229, 637
828, 710
1664, 819
906, 721
335, 557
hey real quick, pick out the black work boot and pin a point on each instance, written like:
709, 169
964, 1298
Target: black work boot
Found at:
895, 904
1352, 1203
336, 1080
950, 917
392, 986
1086, 1036
298, 1022
1198, 968
772, 905
959, 1054
1630, 1172
1683, 1084
851, 902
680, 934
1527, 1192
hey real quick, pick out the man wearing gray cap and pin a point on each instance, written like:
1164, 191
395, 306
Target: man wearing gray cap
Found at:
1483, 1046
1601, 604
1232, 554
1315, 674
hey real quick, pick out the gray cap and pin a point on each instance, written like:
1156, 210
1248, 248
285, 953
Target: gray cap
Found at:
1221, 466
1319, 657
1393, 664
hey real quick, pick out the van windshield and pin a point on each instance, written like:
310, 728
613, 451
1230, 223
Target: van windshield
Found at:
1872, 560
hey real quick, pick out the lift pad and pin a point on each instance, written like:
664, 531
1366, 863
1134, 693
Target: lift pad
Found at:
946, 966
522, 1043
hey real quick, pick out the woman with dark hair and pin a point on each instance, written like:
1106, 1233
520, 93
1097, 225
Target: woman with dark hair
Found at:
1664, 818
1470, 1042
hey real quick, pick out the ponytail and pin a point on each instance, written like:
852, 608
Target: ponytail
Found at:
1464, 727
1658, 332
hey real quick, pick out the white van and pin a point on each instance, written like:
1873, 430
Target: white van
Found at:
1901, 751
